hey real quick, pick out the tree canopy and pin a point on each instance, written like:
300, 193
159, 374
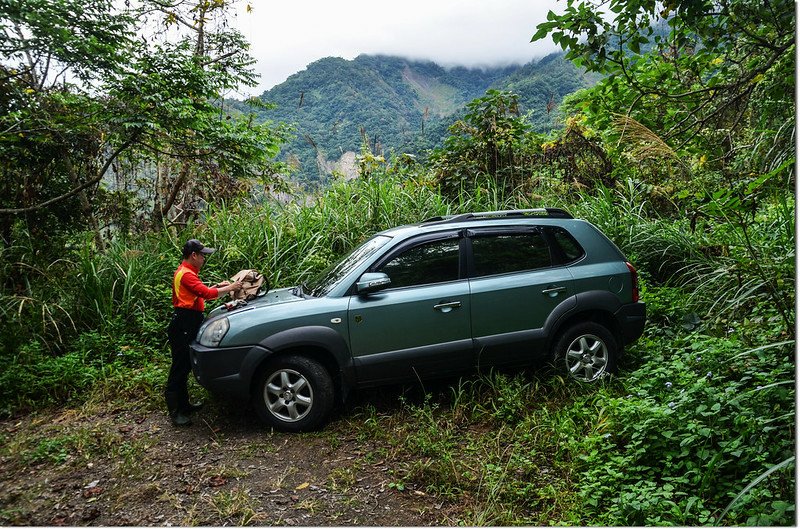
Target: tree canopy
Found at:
88, 95
702, 74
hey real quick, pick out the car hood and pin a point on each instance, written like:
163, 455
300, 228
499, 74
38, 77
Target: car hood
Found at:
273, 297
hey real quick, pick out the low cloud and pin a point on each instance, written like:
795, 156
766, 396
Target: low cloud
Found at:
287, 36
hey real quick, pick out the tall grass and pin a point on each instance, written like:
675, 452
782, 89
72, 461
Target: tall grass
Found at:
293, 241
729, 268
698, 428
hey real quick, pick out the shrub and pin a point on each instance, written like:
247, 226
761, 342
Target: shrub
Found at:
699, 420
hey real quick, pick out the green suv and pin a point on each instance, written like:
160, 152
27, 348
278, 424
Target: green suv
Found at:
440, 298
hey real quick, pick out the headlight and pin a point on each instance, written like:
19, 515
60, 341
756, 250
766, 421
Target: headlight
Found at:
214, 332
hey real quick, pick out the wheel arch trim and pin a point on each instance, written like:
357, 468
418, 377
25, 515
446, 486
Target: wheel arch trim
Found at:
592, 301
318, 338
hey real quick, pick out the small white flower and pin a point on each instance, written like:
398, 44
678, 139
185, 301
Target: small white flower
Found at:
671, 405
668, 384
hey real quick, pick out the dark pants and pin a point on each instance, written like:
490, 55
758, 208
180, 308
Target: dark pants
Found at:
181, 331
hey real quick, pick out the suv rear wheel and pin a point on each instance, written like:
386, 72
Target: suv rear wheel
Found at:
294, 394
586, 352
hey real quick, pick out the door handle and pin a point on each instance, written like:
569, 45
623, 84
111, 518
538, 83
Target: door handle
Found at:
447, 307
553, 291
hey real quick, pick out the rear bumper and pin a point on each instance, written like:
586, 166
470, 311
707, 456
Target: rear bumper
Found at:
631, 318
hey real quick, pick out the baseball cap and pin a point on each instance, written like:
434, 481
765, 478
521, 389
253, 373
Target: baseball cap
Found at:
193, 245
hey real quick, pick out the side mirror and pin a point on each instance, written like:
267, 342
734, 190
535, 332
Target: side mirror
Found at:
372, 282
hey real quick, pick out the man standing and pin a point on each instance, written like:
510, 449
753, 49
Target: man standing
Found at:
188, 299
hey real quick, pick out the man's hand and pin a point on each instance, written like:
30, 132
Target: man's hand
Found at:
227, 286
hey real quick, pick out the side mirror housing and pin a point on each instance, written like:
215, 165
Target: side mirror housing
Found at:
372, 282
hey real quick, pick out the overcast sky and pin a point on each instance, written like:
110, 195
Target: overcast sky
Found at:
288, 35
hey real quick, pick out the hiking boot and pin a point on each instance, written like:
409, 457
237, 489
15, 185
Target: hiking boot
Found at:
179, 417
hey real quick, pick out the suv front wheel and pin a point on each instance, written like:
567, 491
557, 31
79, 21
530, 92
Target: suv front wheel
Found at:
586, 352
294, 394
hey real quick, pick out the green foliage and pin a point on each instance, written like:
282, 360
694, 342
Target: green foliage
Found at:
491, 144
87, 290
86, 36
693, 425
705, 89
54, 450
34, 376
736, 269
139, 101
542, 86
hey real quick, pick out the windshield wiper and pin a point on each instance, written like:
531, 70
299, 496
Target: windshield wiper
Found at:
300, 291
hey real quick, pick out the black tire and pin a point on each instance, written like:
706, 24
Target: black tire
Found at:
294, 394
586, 352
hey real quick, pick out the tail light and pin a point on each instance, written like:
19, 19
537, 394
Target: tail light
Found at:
634, 281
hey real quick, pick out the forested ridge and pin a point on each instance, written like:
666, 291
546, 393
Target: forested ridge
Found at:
119, 143
396, 105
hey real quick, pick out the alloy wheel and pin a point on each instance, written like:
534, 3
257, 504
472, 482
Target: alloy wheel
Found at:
586, 358
288, 395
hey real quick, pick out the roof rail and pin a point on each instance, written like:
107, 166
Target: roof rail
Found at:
556, 213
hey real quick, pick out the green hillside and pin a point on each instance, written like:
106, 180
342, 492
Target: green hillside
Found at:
397, 105
542, 85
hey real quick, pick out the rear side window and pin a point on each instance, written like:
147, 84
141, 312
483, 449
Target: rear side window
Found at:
505, 253
567, 244
433, 262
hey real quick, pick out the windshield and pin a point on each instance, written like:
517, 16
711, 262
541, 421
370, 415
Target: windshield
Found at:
323, 283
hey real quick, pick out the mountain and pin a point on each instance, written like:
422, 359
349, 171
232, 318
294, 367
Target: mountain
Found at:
541, 86
397, 105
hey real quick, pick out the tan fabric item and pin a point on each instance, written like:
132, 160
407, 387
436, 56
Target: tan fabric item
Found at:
252, 281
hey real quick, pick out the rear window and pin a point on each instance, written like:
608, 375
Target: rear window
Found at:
506, 253
567, 244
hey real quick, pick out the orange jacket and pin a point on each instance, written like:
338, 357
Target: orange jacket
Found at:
188, 292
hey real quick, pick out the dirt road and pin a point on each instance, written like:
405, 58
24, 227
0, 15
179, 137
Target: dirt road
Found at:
95, 466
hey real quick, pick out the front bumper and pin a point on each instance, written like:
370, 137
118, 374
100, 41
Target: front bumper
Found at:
223, 369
